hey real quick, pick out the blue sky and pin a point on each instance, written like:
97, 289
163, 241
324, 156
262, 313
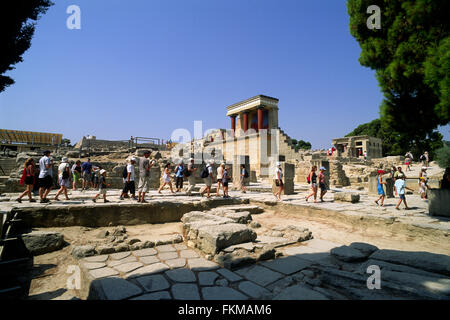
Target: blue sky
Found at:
148, 67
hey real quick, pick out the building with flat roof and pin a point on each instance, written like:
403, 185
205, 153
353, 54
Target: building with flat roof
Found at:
17, 140
356, 146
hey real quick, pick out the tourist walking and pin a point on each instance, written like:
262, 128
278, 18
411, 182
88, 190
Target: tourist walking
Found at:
244, 174
86, 171
144, 176
76, 174
179, 175
425, 159
95, 175
322, 184
380, 189
278, 177
400, 185
45, 176
129, 181
312, 178
166, 178
27, 180
220, 170
225, 180
399, 174
102, 185
190, 175
423, 188
207, 175
408, 160
63, 178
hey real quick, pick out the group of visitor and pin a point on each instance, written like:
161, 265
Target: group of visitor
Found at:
95, 177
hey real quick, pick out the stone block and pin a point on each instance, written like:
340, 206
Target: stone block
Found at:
347, 254
346, 197
40, 242
211, 239
439, 202
153, 283
207, 278
299, 292
222, 293
181, 291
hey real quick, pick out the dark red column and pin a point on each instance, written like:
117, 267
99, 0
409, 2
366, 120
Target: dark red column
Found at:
245, 122
233, 125
260, 119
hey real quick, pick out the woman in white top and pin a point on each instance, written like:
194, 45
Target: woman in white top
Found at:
219, 178
63, 178
166, 179
278, 177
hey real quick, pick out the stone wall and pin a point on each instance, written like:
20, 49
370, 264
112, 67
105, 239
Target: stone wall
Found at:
439, 200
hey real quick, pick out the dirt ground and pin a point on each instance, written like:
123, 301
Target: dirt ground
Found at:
48, 277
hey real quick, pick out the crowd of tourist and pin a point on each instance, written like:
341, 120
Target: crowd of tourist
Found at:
96, 177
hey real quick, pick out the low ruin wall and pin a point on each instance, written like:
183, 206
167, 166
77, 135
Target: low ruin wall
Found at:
104, 215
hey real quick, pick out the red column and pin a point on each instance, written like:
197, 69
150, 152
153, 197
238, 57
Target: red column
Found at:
260, 119
233, 123
245, 122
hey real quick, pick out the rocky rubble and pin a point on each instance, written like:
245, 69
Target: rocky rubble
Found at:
117, 241
227, 235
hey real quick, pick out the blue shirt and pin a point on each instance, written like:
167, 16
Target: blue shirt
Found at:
87, 167
180, 172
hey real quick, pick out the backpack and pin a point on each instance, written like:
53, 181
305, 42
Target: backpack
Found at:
186, 172
245, 173
65, 175
422, 157
125, 173
204, 173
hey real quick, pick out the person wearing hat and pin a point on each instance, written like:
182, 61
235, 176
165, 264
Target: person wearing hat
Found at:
423, 173
144, 176
322, 185
191, 178
208, 180
129, 181
102, 185
63, 178
400, 185
380, 189
278, 177
423, 188
45, 176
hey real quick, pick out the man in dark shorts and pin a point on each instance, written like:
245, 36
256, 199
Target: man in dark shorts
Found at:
86, 173
45, 176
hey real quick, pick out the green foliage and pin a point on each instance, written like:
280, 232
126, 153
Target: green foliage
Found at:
443, 156
65, 142
16, 32
410, 54
303, 145
395, 143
